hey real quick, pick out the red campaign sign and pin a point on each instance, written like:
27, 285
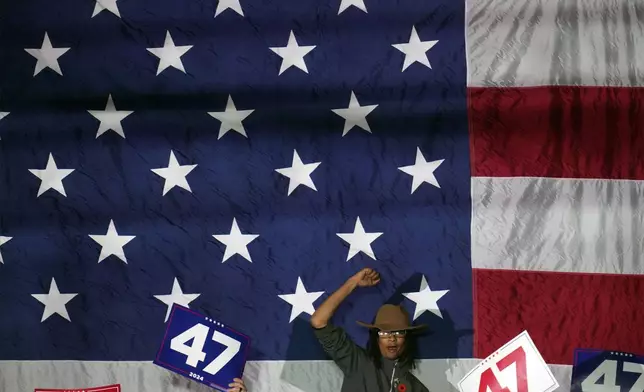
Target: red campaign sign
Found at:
108, 388
530, 372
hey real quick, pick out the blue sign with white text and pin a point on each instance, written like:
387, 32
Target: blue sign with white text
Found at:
202, 349
610, 371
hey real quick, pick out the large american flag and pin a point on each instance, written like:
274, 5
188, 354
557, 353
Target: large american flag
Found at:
245, 157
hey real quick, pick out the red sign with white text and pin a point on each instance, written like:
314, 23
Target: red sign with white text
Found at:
496, 373
108, 388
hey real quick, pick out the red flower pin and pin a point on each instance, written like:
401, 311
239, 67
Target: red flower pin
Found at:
402, 388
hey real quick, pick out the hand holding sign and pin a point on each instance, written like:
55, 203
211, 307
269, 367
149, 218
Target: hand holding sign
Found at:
237, 386
203, 349
496, 373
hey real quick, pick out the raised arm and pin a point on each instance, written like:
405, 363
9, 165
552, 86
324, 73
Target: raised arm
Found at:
335, 342
365, 278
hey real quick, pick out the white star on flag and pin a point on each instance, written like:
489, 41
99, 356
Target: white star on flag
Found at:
426, 299
174, 174
110, 118
301, 301
51, 177
415, 50
299, 173
47, 56
112, 243
170, 55
234, 5
359, 240
355, 115
102, 5
236, 242
176, 297
344, 4
54, 302
3, 240
3, 115
422, 171
231, 118
292, 54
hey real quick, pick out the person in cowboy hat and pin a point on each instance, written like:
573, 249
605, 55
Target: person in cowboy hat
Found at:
385, 365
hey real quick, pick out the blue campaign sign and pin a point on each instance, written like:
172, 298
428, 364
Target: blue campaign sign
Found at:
202, 349
607, 371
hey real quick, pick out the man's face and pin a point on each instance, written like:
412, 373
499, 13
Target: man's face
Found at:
391, 343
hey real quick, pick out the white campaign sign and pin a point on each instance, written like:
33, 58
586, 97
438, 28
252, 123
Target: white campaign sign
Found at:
515, 367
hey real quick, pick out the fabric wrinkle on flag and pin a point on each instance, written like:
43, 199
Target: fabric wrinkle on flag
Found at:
238, 158
555, 116
244, 158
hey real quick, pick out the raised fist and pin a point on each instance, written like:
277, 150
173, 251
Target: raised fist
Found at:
367, 277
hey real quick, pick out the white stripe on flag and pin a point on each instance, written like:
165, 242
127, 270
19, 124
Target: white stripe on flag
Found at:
563, 225
555, 42
260, 376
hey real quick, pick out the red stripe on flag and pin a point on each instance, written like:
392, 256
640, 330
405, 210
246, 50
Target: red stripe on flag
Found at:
555, 131
560, 311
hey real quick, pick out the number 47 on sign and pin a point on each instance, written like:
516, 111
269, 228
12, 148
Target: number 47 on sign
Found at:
496, 373
194, 352
607, 371
202, 349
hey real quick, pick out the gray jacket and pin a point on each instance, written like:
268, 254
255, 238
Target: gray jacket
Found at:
360, 372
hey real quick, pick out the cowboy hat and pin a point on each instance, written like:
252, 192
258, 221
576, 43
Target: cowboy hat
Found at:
392, 318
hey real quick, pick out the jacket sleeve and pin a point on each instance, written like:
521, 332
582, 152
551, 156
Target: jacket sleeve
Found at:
417, 385
343, 351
